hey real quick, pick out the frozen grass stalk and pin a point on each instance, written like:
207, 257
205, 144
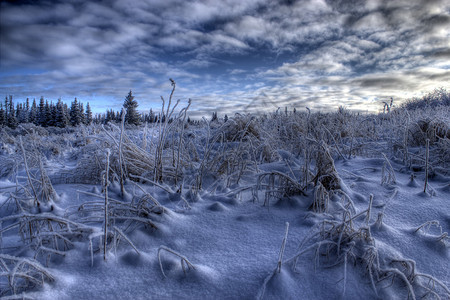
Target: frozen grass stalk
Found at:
164, 127
122, 129
184, 113
405, 139
387, 172
369, 210
183, 261
105, 226
283, 246
28, 171
427, 156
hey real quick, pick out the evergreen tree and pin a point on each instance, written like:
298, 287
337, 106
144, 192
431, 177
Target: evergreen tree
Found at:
51, 115
47, 114
33, 116
151, 117
214, 117
88, 117
82, 114
66, 112
22, 113
26, 112
110, 116
19, 108
41, 114
132, 116
2, 116
6, 108
61, 119
75, 118
11, 120
11, 105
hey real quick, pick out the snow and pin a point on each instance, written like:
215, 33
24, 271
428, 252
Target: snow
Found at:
233, 240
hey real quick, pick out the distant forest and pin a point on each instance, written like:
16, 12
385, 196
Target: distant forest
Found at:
62, 115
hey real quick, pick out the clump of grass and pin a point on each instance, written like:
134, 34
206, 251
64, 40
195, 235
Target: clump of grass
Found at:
387, 172
127, 158
327, 180
277, 186
19, 275
340, 242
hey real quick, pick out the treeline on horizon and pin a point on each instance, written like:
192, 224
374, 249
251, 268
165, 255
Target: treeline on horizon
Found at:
62, 115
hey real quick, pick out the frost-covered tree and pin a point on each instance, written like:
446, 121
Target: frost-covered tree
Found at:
110, 116
61, 119
88, 115
11, 120
48, 114
41, 113
132, 116
150, 117
6, 108
51, 114
2, 116
19, 112
25, 114
214, 117
33, 115
22, 112
75, 114
82, 114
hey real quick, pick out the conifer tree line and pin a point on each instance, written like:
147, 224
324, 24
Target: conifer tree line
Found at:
44, 114
59, 114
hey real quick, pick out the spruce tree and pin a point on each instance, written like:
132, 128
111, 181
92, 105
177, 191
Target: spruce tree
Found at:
22, 113
214, 117
82, 114
151, 116
75, 118
33, 116
41, 114
88, 117
47, 114
6, 109
132, 116
51, 116
26, 112
19, 109
66, 112
11, 120
2, 116
61, 117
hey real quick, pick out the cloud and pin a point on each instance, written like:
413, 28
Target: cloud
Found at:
226, 54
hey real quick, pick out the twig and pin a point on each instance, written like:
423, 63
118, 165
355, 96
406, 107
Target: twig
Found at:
283, 245
105, 226
183, 259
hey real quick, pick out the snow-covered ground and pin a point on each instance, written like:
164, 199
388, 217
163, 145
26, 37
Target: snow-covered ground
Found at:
347, 219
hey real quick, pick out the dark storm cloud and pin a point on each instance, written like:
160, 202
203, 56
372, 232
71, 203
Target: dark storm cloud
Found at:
226, 54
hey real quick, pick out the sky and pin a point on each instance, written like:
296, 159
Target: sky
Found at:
227, 56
